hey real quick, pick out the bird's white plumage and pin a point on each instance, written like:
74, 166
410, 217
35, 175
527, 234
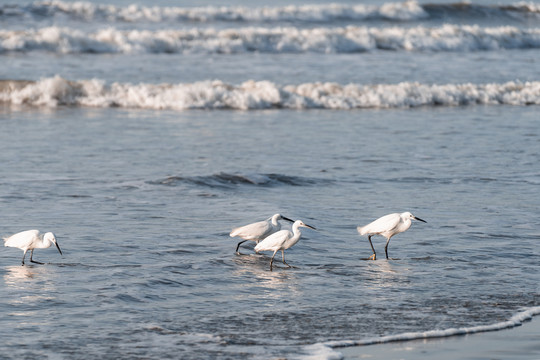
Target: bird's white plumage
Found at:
387, 226
282, 240
258, 230
276, 241
30, 240
23, 240
383, 226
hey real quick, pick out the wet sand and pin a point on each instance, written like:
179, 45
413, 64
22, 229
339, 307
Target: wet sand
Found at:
519, 343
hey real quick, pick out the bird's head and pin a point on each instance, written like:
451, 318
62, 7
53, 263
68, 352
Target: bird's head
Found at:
300, 223
408, 215
50, 237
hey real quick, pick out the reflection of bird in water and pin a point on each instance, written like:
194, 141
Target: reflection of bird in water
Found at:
282, 240
280, 286
30, 240
14, 274
258, 230
387, 226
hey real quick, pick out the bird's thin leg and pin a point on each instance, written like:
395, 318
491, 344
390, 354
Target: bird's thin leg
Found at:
24, 257
31, 260
386, 248
283, 255
374, 256
238, 246
272, 260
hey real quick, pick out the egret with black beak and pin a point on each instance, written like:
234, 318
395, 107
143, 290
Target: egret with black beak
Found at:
259, 230
30, 240
387, 226
282, 240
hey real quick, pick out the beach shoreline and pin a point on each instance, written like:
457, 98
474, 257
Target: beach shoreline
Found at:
517, 343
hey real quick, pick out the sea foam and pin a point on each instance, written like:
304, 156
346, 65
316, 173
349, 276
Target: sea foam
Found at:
327, 350
399, 11
314, 13
350, 39
254, 95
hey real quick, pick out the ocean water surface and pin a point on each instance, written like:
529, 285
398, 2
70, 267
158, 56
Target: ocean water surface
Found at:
142, 134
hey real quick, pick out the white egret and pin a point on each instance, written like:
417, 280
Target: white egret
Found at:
259, 230
30, 240
387, 226
282, 240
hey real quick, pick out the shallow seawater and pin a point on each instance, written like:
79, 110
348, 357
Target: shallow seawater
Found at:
142, 203
142, 134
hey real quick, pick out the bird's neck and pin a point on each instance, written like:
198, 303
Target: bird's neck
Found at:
43, 244
295, 238
406, 224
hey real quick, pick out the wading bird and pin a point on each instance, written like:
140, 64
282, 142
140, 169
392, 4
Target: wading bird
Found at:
282, 240
387, 226
259, 230
30, 240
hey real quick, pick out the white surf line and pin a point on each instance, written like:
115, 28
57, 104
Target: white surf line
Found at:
252, 95
514, 321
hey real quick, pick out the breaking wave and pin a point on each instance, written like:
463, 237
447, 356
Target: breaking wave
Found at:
324, 350
277, 40
396, 11
226, 180
310, 13
253, 95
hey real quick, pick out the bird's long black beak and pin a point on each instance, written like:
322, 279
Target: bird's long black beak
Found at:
415, 218
58, 247
309, 226
286, 218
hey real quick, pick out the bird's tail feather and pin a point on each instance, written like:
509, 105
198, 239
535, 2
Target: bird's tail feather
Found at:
361, 230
